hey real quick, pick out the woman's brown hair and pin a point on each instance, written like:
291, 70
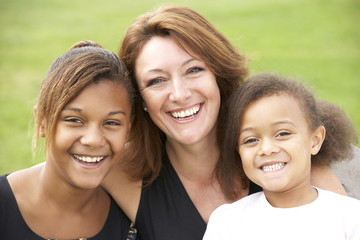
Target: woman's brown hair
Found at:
195, 35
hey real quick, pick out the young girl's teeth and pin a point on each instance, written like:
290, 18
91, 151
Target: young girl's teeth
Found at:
273, 167
88, 159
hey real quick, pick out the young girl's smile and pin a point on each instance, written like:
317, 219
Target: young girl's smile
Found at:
90, 133
275, 143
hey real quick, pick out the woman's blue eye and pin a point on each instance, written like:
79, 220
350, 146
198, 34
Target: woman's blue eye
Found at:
153, 82
195, 70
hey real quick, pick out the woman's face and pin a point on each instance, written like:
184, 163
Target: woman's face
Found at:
179, 91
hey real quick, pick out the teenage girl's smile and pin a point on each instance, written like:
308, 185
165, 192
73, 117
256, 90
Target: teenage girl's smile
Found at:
90, 161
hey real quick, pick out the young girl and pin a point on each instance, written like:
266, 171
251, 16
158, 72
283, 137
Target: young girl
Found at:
84, 111
278, 128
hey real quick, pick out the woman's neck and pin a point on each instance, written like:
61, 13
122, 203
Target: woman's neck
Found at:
194, 161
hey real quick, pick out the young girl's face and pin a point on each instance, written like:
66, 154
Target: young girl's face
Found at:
276, 143
90, 134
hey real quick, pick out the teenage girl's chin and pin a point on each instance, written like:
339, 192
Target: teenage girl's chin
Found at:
91, 174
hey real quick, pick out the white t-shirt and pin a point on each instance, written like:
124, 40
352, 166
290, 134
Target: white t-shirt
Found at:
330, 216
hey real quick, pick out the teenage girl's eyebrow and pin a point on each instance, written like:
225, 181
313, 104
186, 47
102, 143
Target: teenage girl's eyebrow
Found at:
79, 110
116, 112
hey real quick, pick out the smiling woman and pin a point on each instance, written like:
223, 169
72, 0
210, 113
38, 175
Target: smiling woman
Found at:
84, 112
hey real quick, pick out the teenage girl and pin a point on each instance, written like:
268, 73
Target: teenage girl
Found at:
84, 112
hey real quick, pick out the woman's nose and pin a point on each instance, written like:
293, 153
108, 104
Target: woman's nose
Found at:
179, 90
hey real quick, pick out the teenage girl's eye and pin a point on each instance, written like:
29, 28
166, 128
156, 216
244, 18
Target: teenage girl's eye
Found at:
72, 120
154, 82
112, 123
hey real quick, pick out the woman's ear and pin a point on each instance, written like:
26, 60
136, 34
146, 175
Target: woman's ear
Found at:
144, 106
42, 130
318, 137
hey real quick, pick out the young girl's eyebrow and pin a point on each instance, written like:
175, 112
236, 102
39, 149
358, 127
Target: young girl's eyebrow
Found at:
284, 122
246, 129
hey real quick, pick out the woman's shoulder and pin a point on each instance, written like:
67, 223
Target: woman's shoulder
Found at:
348, 172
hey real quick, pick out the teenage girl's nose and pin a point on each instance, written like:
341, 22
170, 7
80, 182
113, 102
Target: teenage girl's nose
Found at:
93, 137
179, 91
268, 146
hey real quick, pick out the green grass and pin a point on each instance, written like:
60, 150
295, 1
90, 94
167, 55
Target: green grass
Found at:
316, 41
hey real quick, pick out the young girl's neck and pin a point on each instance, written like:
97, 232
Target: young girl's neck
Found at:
295, 197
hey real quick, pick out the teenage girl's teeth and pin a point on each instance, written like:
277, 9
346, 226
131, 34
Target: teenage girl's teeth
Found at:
88, 159
273, 167
187, 113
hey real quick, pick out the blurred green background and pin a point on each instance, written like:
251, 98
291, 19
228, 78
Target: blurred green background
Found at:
316, 41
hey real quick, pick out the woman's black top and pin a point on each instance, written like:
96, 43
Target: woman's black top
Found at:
166, 211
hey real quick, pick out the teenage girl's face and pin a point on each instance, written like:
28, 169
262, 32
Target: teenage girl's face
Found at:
179, 91
276, 143
90, 134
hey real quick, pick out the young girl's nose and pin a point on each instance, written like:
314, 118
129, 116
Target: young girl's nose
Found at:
179, 90
268, 147
93, 137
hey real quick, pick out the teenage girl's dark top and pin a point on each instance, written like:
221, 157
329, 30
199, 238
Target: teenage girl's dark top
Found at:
13, 226
166, 211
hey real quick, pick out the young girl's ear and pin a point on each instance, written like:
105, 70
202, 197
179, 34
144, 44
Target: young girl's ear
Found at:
318, 137
42, 130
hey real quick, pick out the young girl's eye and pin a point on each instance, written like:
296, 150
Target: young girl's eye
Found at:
250, 140
283, 134
154, 82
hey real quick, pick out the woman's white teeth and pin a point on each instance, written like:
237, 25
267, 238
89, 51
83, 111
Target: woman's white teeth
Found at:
273, 167
88, 159
187, 113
